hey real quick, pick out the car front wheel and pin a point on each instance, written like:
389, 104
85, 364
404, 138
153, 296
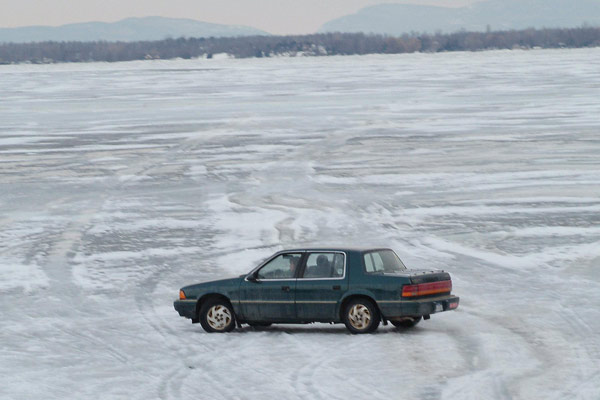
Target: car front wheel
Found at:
217, 316
361, 316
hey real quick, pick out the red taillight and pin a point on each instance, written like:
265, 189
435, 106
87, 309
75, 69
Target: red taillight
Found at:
424, 289
410, 290
181, 295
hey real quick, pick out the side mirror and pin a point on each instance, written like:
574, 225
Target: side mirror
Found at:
252, 277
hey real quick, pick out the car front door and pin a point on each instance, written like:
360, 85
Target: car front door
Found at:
268, 294
320, 286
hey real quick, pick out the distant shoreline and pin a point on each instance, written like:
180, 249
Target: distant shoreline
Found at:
325, 44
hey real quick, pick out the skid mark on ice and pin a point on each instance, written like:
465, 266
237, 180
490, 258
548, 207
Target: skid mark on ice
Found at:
97, 343
478, 385
323, 362
303, 381
584, 374
171, 383
64, 247
169, 386
533, 361
480, 380
586, 387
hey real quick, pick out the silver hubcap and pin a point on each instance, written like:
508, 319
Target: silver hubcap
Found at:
218, 317
359, 316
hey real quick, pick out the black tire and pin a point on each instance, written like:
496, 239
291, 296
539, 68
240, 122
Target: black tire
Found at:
259, 324
408, 322
361, 316
216, 315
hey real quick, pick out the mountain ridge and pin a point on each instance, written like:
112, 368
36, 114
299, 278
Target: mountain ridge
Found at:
398, 19
127, 30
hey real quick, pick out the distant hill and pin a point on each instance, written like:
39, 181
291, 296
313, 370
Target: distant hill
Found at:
396, 19
127, 30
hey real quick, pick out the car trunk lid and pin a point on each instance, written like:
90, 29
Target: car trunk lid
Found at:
425, 283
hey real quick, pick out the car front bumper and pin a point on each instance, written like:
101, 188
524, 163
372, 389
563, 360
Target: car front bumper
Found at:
186, 308
416, 308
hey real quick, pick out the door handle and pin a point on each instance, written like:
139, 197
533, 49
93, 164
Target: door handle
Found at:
285, 288
336, 287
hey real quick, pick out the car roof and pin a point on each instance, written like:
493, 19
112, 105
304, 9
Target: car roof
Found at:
335, 248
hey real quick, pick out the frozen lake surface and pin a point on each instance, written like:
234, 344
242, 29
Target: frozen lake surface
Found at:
122, 182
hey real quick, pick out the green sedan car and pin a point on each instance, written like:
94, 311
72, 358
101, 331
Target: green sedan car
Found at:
358, 287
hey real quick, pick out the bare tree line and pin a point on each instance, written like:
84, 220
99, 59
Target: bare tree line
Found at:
307, 45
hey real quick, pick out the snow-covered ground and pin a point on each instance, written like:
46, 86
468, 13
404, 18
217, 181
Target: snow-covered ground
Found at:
122, 182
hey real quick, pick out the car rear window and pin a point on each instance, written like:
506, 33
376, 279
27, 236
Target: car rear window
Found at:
382, 261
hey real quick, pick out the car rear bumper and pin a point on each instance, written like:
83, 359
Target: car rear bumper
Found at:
416, 308
186, 308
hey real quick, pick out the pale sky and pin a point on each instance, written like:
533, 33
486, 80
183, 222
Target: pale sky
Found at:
274, 16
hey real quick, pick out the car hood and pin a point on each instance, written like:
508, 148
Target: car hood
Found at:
217, 286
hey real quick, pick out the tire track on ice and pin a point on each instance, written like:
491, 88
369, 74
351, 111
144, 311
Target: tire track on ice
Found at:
111, 350
170, 384
64, 288
305, 378
501, 384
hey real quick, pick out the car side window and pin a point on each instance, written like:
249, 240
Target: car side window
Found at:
281, 267
324, 265
369, 263
382, 261
373, 262
377, 262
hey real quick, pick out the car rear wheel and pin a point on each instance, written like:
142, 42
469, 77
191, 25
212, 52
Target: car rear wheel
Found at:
407, 322
361, 316
217, 316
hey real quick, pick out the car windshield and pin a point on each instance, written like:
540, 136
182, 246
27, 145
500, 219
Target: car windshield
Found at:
382, 261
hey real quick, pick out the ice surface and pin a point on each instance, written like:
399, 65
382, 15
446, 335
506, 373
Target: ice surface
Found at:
122, 182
